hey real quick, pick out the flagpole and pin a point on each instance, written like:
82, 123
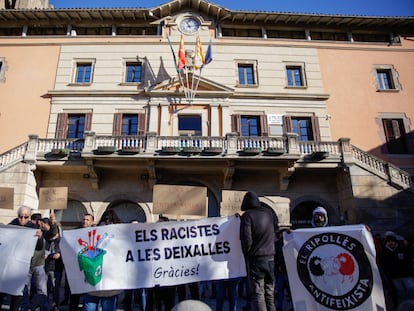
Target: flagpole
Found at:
184, 69
176, 68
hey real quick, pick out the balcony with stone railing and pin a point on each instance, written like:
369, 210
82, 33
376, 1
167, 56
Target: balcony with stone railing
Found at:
231, 145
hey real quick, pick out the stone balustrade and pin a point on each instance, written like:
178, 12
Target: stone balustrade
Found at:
230, 145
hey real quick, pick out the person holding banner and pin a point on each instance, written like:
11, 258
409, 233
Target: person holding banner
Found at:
22, 219
257, 235
37, 274
160, 296
53, 261
282, 281
87, 221
106, 299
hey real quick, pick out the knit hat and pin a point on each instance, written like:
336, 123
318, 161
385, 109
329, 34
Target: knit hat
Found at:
319, 211
390, 238
390, 233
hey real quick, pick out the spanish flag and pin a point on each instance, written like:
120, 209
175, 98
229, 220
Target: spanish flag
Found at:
181, 54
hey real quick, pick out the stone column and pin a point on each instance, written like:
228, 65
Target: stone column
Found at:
292, 144
90, 142
30, 155
231, 143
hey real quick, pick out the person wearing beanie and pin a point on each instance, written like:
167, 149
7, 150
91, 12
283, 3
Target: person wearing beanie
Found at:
319, 217
257, 235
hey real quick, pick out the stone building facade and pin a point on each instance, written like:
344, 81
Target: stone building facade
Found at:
109, 115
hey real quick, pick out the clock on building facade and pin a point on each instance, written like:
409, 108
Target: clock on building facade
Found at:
189, 25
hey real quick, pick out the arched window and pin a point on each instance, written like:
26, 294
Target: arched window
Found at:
129, 211
72, 216
301, 215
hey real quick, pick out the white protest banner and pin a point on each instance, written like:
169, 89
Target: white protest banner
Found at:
17, 246
333, 268
142, 255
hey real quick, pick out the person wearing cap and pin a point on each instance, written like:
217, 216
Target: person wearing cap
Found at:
258, 236
319, 217
397, 266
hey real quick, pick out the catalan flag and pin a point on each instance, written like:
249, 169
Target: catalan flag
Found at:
181, 54
199, 57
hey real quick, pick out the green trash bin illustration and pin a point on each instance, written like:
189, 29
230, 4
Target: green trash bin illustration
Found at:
90, 262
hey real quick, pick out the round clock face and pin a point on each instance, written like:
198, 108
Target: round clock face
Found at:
189, 25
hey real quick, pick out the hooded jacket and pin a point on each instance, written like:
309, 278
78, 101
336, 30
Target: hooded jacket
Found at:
321, 211
257, 228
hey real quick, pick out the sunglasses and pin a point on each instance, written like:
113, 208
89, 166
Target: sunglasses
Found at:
25, 217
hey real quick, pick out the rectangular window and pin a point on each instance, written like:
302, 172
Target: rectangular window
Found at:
246, 74
294, 76
2, 69
386, 78
133, 72
395, 135
129, 124
302, 127
306, 127
76, 125
83, 73
189, 125
73, 125
385, 81
250, 126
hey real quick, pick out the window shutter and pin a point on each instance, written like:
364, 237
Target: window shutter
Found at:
116, 128
235, 124
61, 126
263, 125
287, 124
396, 129
141, 124
88, 121
315, 128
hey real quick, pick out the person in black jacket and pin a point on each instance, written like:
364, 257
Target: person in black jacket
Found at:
257, 235
24, 218
53, 261
397, 265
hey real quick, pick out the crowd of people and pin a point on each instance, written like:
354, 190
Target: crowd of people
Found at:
266, 287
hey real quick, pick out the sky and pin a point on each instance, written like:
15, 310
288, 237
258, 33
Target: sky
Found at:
347, 7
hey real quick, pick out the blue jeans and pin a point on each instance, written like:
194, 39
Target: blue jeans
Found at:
281, 285
92, 303
262, 280
37, 277
230, 287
